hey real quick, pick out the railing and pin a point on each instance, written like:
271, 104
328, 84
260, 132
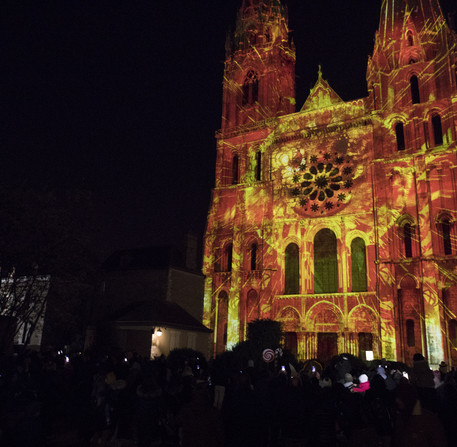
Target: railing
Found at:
327, 296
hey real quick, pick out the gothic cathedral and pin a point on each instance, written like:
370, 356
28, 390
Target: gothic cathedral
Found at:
339, 220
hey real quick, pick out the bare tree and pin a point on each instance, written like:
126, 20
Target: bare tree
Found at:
44, 239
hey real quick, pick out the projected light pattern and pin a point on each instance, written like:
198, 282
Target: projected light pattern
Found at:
353, 216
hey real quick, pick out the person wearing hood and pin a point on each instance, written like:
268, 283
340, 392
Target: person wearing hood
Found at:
363, 385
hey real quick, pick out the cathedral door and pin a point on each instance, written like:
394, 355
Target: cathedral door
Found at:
290, 342
327, 345
365, 344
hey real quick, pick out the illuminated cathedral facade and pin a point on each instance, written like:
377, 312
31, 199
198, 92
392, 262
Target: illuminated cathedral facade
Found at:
338, 220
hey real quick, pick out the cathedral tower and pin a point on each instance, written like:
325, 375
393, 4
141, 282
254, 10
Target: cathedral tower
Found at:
259, 75
338, 220
412, 83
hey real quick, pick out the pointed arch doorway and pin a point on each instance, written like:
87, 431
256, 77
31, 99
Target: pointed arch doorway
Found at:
290, 319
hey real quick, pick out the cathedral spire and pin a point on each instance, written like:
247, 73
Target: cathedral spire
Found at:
423, 13
410, 31
259, 78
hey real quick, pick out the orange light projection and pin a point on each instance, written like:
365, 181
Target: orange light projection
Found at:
351, 206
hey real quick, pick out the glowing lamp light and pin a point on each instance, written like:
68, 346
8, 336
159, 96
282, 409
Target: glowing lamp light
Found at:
159, 332
369, 356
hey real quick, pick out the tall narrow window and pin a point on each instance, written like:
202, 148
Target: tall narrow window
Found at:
235, 170
407, 238
446, 233
410, 336
415, 96
359, 265
250, 88
325, 262
410, 39
228, 257
258, 166
254, 256
437, 130
400, 134
292, 272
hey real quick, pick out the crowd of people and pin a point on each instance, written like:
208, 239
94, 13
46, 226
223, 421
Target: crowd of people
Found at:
124, 400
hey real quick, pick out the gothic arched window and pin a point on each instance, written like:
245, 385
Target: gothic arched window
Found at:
415, 95
358, 265
254, 256
325, 262
446, 235
258, 166
437, 130
410, 39
407, 239
400, 135
228, 256
410, 335
250, 88
235, 170
292, 270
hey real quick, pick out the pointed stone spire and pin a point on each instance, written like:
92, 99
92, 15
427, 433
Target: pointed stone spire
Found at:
409, 30
424, 13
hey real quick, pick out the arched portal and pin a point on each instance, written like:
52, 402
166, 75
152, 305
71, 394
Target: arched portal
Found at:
409, 318
327, 323
290, 319
363, 338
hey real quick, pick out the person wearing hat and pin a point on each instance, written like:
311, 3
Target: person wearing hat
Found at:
363, 385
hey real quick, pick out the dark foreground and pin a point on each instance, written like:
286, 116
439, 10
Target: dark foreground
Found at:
130, 402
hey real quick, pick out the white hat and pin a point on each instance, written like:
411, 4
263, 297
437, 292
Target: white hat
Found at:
363, 378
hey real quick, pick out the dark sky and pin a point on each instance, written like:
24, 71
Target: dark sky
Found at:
123, 98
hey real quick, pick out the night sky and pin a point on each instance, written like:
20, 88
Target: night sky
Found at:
123, 98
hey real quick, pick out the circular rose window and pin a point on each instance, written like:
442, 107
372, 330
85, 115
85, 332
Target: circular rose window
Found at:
322, 183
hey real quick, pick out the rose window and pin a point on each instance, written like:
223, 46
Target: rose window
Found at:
322, 183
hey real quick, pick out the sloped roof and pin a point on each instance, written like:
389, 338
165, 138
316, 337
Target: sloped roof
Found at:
157, 313
321, 95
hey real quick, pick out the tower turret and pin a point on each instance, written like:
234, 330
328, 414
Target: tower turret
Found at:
259, 75
413, 55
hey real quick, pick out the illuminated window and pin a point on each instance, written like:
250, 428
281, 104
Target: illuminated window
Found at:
228, 257
250, 88
325, 262
415, 96
446, 235
410, 336
452, 325
399, 133
407, 239
258, 166
235, 170
254, 256
437, 130
359, 265
292, 271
